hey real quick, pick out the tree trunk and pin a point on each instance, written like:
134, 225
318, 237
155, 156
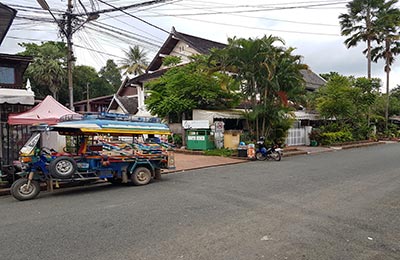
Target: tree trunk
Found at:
183, 131
369, 58
387, 70
368, 24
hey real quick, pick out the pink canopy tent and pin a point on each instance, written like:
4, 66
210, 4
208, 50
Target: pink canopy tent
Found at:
49, 111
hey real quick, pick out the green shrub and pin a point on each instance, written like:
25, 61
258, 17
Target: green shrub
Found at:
329, 138
175, 139
316, 135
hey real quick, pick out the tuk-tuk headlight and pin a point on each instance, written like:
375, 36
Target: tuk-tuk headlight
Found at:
26, 159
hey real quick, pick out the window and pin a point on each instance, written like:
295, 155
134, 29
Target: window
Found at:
7, 75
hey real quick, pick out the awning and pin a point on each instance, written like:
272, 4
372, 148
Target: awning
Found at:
16, 96
210, 115
49, 111
303, 115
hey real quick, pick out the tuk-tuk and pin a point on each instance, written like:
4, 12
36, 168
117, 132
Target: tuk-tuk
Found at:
98, 147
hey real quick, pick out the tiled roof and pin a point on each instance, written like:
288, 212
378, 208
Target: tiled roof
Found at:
201, 45
7, 15
130, 104
313, 81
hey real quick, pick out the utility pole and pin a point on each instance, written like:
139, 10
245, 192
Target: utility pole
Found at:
70, 55
66, 28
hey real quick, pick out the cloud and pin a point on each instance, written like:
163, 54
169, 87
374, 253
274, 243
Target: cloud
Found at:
323, 50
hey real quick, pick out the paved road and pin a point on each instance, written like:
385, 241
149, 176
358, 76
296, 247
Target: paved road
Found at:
339, 205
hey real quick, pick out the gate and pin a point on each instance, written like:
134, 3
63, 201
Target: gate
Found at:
12, 138
298, 136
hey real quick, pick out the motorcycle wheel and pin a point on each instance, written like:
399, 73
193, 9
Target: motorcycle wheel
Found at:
260, 156
276, 156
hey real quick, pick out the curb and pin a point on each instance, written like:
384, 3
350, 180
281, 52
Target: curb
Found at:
4, 192
207, 166
294, 153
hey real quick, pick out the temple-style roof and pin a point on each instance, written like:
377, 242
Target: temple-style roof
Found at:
201, 45
313, 80
128, 105
7, 15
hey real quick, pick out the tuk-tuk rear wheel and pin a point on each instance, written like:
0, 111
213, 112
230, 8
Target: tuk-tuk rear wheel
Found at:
141, 176
21, 191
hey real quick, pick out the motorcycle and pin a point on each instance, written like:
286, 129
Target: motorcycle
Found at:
268, 153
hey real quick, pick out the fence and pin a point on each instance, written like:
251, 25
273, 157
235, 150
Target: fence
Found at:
298, 136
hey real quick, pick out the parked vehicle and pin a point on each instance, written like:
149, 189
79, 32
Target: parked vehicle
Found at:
267, 153
94, 152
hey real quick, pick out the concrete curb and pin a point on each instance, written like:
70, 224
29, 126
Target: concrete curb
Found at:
4, 192
208, 166
294, 153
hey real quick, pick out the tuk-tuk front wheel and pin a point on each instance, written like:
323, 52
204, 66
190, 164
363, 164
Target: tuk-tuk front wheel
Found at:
21, 190
141, 176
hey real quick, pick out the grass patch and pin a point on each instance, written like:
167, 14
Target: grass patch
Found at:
219, 152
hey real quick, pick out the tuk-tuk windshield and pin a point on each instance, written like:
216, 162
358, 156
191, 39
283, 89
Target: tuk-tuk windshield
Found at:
30, 144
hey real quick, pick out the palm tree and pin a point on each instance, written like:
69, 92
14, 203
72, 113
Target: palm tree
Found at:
267, 74
359, 24
135, 61
388, 22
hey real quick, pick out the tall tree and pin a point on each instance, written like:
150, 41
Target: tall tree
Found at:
48, 70
359, 24
388, 23
184, 88
86, 78
135, 61
346, 100
269, 75
112, 74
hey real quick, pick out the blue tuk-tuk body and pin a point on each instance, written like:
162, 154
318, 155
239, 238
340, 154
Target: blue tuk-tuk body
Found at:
92, 157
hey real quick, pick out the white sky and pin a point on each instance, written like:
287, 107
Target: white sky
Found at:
313, 30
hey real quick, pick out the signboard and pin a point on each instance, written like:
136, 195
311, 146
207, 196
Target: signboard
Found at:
195, 124
219, 126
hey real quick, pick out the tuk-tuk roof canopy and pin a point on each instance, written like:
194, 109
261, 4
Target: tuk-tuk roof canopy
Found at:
113, 127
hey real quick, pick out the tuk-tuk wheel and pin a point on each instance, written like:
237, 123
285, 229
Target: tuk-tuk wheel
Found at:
63, 167
141, 176
20, 190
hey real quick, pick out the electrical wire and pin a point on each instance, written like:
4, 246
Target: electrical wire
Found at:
254, 10
148, 23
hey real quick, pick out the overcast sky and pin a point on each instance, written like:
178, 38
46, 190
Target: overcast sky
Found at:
312, 27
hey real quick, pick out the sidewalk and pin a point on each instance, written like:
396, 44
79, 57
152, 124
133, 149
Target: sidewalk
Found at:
189, 161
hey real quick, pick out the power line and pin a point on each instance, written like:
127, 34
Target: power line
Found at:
127, 24
123, 8
29, 39
255, 28
271, 19
123, 34
255, 10
118, 8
